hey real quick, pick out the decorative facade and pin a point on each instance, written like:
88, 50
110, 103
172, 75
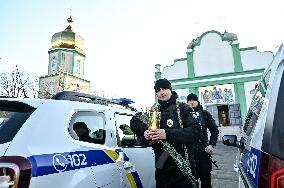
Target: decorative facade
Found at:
66, 64
223, 75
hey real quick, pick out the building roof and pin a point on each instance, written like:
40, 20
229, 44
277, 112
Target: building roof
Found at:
68, 39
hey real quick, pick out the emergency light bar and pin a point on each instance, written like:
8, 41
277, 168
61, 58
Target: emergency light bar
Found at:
83, 97
123, 101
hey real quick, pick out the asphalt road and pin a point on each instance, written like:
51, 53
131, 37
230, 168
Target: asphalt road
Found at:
224, 176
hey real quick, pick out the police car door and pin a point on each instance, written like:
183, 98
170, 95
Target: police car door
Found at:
72, 167
139, 160
105, 171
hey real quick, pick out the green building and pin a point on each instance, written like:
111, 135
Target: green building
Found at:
222, 74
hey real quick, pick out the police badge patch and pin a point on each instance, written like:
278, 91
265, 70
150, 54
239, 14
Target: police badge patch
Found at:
170, 122
195, 114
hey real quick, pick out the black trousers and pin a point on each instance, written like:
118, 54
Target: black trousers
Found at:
203, 169
171, 179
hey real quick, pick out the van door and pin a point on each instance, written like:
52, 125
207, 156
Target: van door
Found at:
140, 159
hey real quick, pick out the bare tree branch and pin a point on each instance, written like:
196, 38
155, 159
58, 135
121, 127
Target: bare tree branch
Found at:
17, 84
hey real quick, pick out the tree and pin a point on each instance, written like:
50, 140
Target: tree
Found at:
17, 83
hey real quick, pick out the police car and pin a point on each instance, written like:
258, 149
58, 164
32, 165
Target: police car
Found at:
39, 146
261, 156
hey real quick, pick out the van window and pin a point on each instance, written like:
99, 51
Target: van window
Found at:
88, 127
13, 115
253, 113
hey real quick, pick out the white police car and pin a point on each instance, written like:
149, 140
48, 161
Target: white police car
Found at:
261, 156
40, 149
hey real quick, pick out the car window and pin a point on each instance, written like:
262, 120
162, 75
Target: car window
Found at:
253, 113
93, 124
13, 115
125, 137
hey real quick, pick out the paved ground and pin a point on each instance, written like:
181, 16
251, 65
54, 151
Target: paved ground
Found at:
224, 176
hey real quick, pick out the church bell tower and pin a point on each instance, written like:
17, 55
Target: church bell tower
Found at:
66, 64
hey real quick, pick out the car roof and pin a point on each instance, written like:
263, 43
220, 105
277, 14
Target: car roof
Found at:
98, 102
30, 101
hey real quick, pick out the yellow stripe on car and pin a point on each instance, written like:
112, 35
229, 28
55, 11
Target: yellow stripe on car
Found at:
131, 180
113, 155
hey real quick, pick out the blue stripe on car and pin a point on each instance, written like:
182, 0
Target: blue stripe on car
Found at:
59, 162
137, 179
125, 158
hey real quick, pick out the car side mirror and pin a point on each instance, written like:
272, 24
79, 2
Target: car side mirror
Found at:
230, 140
128, 141
132, 141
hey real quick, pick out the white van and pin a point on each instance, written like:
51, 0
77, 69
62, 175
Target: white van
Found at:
40, 149
261, 156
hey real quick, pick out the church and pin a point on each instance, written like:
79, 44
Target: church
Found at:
222, 74
66, 64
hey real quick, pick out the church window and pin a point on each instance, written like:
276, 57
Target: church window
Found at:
53, 63
52, 88
77, 66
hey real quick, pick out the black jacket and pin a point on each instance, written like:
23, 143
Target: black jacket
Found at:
176, 135
207, 122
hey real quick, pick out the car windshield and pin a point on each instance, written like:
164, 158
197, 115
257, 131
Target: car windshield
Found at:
13, 115
4, 116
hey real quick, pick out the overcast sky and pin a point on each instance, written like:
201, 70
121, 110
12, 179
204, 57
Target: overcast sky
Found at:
124, 39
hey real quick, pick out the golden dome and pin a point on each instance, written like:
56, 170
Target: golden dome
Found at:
68, 39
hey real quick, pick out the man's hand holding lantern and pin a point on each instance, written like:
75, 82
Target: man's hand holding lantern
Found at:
147, 135
157, 134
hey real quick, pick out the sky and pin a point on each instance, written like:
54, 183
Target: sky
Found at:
124, 39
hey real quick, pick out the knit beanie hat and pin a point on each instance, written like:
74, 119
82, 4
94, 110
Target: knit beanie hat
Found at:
162, 83
192, 96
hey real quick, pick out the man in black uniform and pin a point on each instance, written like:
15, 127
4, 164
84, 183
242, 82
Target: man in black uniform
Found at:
83, 133
205, 148
182, 136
